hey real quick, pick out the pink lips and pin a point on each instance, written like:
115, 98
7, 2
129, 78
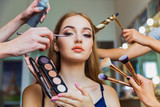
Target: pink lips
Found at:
77, 49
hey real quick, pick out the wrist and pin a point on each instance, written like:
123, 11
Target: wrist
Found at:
147, 41
21, 19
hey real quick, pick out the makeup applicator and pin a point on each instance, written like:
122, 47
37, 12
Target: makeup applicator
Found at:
105, 22
124, 59
102, 76
106, 62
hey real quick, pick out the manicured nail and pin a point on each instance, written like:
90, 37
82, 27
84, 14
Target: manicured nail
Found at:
76, 84
41, 20
54, 99
128, 78
47, 12
35, 58
59, 95
41, 8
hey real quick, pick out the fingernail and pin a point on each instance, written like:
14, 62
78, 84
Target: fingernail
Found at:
47, 12
59, 95
35, 58
54, 99
41, 8
76, 84
128, 78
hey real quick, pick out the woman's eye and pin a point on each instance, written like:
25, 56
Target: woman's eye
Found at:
87, 35
68, 34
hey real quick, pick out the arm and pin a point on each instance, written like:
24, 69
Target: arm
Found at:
145, 91
132, 35
111, 97
31, 40
32, 95
9, 29
132, 51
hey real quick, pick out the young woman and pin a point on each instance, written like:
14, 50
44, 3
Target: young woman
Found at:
77, 62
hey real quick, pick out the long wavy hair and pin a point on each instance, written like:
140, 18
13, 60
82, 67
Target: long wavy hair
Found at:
91, 64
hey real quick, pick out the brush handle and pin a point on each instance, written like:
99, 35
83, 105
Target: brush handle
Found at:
132, 71
115, 18
117, 81
113, 67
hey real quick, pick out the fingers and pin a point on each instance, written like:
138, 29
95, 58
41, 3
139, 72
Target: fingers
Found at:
81, 89
133, 83
65, 102
45, 41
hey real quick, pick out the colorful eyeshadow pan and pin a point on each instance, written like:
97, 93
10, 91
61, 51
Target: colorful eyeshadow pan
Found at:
51, 74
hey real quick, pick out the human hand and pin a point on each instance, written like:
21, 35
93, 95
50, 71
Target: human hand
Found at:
31, 40
132, 36
74, 100
33, 9
145, 91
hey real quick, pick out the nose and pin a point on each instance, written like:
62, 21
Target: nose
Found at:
78, 38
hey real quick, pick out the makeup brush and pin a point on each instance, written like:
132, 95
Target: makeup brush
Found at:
102, 76
115, 18
105, 22
56, 35
106, 62
124, 59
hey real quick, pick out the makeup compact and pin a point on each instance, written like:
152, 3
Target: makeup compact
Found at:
48, 77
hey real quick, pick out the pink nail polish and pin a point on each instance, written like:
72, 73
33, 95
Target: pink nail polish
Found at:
54, 99
59, 95
76, 84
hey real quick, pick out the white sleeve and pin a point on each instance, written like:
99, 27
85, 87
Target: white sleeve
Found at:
155, 33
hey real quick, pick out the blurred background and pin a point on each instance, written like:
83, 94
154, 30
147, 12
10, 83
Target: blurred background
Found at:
143, 15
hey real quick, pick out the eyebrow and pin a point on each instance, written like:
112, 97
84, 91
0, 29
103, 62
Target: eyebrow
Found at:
85, 28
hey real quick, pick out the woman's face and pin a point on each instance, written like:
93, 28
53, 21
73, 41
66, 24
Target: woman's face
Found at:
77, 45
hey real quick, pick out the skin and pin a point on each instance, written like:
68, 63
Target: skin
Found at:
28, 38
82, 91
145, 91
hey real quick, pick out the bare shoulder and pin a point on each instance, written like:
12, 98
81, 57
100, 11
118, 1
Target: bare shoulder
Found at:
111, 97
31, 95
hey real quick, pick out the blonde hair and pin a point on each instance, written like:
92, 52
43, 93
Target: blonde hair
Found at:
92, 63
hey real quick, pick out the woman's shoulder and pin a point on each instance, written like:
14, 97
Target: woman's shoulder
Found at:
33, 88
109, 90
32, 94
111, 96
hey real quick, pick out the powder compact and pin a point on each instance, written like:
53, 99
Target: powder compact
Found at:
48, 77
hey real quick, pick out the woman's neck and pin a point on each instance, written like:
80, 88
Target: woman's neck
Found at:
72, 72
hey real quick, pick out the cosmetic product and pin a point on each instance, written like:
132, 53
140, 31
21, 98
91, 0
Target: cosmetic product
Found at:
124, 59
56, 35
41, 79
35, 19
49, 70
105, 22
102, 76
106, 62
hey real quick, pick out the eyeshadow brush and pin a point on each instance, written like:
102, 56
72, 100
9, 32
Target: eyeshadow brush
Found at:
56, 35
102, 76
124, 59
106, 62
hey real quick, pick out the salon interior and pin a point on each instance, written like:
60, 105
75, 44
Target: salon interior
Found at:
143, 15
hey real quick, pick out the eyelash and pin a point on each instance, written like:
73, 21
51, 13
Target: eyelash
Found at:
85, 35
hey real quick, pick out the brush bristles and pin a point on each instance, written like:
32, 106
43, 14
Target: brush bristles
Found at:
106, 62
124, 59
102, 76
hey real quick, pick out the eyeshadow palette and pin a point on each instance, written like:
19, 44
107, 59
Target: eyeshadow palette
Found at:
47, 76
40, 78
54, 79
